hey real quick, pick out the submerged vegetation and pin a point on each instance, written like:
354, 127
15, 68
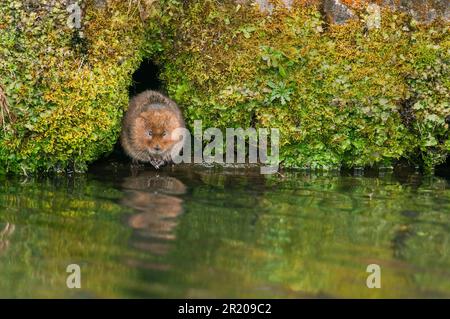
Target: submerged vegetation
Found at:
341, 94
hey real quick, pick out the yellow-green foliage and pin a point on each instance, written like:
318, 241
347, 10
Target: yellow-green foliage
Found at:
67, 88
341, 95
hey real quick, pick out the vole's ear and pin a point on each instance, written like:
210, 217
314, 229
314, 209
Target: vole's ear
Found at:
140, 122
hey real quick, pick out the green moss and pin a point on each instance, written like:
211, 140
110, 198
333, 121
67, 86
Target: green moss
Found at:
340, 95
67, 88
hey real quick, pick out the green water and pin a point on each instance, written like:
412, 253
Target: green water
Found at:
196, 232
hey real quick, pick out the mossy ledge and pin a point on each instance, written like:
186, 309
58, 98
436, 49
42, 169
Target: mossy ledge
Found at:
342, 94
67, 88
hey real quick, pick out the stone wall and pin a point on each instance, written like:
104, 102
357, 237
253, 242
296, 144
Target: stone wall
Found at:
339, 11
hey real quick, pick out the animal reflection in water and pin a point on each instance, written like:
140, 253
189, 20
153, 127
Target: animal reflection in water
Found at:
153, 198
5, 234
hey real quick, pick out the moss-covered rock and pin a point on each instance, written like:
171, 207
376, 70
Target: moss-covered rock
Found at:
66, 87
341, 94
357, 94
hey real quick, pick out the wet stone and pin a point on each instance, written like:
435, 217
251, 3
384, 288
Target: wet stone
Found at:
337, 12
373, 18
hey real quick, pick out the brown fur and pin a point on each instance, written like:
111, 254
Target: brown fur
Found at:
153, 112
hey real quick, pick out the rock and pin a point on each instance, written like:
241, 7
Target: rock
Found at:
337, 12
100, 4
373, 17
267, 6
264, 5
76, 110
426, 10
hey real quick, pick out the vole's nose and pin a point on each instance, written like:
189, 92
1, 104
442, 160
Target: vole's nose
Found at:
157, 148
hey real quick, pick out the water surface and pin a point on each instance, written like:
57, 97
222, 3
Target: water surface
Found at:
193, 232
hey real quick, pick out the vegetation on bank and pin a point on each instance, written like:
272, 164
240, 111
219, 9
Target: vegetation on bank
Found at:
341, 94
67, 88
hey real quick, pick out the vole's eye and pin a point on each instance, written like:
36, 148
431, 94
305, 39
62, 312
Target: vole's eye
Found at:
164, 133
150, 133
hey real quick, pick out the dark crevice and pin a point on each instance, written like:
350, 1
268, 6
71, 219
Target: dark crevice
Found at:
407, 113
146, 77
443, 170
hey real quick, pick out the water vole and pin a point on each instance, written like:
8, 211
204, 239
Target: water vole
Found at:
147, 128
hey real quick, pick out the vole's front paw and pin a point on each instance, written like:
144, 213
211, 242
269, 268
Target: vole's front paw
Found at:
157, 163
